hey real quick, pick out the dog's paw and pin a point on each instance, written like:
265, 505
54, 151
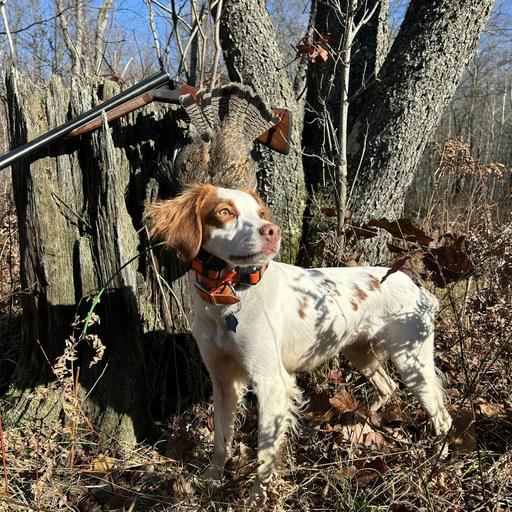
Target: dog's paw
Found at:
441, 447
258, 495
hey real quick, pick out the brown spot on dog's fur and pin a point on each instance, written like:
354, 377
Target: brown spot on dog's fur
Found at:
302, 307
374, 283
211, 217
354, 305
360, 294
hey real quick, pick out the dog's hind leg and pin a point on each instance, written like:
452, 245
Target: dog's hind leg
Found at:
229, 381
412, 352
367, 357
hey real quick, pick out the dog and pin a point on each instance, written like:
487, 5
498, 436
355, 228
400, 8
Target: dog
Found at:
258, 322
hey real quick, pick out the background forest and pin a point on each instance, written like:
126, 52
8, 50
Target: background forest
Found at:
401, 155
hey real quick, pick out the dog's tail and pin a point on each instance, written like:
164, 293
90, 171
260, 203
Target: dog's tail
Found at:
233, 104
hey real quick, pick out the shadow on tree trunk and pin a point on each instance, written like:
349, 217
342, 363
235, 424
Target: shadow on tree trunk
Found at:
80, 212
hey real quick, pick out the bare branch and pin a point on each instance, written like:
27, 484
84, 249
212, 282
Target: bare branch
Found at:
8, 33
218, 48
154, 32
101, 25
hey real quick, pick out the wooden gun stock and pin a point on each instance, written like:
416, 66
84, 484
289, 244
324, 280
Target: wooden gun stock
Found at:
277, 138
112, 115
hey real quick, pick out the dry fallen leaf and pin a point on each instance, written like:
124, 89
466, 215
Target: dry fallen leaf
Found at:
393, 416
242, 463
101, 464
344, 402
463, 431
335, 376
491, 410
351, 434
319, 409
374, 440
370, 472
182, 487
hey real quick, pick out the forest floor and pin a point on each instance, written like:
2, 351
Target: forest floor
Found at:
342, 458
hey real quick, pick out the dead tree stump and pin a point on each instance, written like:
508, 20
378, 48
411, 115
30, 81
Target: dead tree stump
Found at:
80, 207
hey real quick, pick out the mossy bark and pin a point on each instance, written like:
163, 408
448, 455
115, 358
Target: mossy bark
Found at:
80, 207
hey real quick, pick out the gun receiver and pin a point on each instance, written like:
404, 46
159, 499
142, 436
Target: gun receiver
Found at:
159, 87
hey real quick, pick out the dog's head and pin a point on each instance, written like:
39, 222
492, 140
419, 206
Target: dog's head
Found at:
233, 225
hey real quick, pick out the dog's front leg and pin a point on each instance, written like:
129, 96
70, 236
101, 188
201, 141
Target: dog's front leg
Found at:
228, 381
276, 393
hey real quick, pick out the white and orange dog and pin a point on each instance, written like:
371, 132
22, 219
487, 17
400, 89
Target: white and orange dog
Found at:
257, 322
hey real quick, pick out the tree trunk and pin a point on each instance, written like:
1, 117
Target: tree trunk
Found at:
252, 57
80, 210
403, 107
324, 101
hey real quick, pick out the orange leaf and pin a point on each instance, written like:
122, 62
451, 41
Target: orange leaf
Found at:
374, 440
344, 402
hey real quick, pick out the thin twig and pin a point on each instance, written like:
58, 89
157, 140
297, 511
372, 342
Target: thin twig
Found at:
73, 421
60, 200
218, 48
8, 33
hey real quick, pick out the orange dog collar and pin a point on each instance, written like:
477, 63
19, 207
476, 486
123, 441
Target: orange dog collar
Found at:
217, 288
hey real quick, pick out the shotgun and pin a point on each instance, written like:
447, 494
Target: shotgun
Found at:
158, 87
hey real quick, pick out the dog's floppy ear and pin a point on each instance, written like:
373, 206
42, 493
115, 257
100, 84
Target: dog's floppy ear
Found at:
178, 221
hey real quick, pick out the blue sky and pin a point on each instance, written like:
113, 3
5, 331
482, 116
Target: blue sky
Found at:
129, 28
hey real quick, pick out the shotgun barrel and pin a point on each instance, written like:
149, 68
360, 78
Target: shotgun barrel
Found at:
38, 143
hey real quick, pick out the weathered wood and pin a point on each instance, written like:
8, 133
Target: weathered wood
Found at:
252, 57
80, 211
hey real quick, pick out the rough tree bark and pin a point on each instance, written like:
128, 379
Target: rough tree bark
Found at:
323, 102
80, 213
252, 57
323, 97
403, 107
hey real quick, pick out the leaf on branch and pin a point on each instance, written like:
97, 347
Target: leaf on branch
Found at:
444, 256
314, 48
403, 229
364, 232
328, 212
404, 264
447, 260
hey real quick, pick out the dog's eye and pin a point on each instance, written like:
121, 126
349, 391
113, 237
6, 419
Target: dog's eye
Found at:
225, 212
